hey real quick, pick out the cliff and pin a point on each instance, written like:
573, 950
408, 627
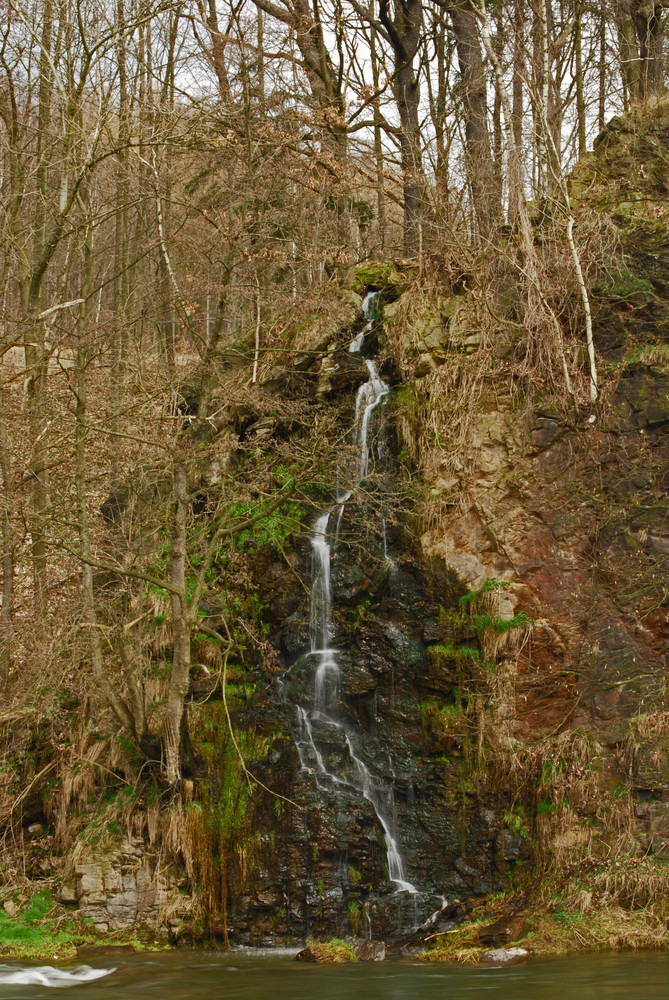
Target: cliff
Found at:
497, 603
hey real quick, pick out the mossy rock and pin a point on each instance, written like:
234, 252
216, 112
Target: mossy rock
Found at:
333, 952
378, 274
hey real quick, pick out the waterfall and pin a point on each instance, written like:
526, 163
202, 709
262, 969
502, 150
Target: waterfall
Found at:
368, 311
324, 709
369, 396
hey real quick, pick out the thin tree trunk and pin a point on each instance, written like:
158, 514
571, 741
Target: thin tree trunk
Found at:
480, 166
578, 72
33, 338
647, 17
629, 62
8, 549
378, 143
175, 713
602, 69
89, 616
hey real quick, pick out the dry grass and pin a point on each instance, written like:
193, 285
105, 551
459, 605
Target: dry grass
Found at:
614, 905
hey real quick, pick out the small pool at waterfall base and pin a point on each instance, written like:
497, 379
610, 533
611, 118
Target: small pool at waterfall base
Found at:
259, 975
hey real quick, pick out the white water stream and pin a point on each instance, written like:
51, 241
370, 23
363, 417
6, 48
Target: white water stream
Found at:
326, 675
49, 975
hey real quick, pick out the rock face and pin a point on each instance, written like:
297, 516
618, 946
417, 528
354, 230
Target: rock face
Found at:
532, 609
121, 886
554, 531
328, 872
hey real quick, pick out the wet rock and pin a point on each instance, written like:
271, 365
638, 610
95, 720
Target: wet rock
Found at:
505, 956
367, 951
504, 930
326, 953
269, 899
103, 950
341, 372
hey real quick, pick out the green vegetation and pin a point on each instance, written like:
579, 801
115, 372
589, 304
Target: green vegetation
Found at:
332, 952
377, 274
442, 718
354, 916
489, 586
274, 529
359, 613
516, 820
41, 929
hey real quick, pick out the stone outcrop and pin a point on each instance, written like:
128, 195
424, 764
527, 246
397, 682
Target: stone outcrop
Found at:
120, 886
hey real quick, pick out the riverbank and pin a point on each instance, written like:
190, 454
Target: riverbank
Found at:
597, 905
39, 929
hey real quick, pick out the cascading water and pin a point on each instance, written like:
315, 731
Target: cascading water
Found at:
368, 311
369, 396
324, 714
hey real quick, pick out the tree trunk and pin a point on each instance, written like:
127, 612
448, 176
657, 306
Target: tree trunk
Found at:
8, 548
578, 72
175, 720
480, 166
404, 31
647, 17
629, 61
378, 144
88, 612
33, 330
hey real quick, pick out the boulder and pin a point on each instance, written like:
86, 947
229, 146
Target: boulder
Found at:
505, 956
366, 950
327, 953
504, 930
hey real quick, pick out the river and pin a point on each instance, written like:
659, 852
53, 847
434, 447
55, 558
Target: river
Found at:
185, 975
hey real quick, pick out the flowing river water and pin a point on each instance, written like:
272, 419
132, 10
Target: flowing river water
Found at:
186, 975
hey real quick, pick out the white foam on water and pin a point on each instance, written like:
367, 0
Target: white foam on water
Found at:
49, 975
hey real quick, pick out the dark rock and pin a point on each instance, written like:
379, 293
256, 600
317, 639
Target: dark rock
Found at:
269, 899
323, 954
504, 930
367, 951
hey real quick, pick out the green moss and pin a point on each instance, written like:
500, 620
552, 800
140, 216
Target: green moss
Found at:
354, 876
334, 951
378, 274
442, 655
354, 916
442, 718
